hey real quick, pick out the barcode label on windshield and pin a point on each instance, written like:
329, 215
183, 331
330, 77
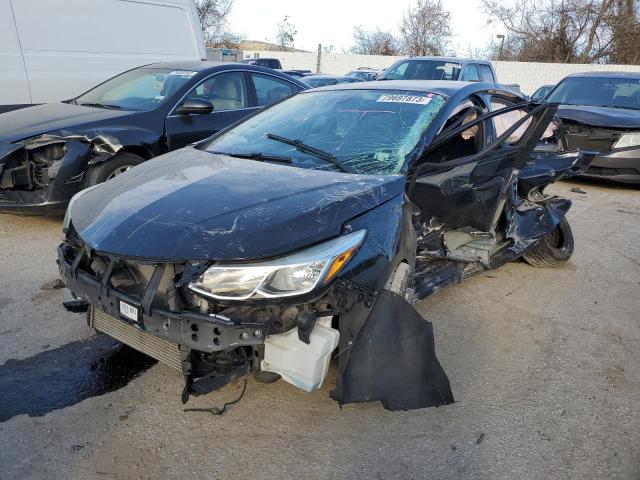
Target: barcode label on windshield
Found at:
183, 73
415, 99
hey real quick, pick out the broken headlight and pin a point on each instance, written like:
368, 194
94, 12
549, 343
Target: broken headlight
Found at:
295, 274
627, 140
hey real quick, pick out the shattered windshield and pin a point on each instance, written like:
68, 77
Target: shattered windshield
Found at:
358, 131
597, 92
140, 89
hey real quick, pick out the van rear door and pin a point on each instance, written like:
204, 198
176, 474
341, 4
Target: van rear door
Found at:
83, 43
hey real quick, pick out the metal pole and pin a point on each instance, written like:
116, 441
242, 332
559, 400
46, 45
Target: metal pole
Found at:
318, 63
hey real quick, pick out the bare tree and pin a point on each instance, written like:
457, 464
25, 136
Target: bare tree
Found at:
569, 31
425, 28
213, 19
375, 42
625, 47
286, 33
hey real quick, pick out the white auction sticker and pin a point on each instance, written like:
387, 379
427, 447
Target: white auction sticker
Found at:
415, 99
129, 311
183, 73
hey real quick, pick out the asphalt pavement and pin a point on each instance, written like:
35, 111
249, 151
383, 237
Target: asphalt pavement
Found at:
543, 365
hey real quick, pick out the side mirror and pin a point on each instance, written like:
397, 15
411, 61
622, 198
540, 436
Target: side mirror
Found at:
195, 106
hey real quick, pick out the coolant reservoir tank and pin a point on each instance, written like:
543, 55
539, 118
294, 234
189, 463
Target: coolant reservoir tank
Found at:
304, 366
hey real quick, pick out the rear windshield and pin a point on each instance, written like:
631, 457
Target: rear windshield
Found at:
366, 131
597, 92
366, 76
320, 82
423, 70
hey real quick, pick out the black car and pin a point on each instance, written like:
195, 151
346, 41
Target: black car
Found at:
49, 152
298, 73
364, 74
315, 81
313, 226
272, 63
540, 94
601, 111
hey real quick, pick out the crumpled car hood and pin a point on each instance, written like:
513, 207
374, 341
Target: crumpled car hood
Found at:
601, 116
31, 121
194, 205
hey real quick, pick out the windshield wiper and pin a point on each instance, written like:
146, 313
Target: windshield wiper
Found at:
303, 147
101, 105
257, 156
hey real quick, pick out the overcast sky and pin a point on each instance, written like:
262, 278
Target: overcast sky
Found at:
331, 22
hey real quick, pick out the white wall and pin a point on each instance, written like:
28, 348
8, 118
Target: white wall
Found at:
532, 75
528, 75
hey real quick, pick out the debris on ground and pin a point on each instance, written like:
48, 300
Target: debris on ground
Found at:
578, 190
53, 284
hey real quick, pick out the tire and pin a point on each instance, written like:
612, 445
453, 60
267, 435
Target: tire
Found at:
101, 172
400, 281
554, 249
266, 377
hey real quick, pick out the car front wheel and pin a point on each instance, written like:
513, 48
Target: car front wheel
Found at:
101, 172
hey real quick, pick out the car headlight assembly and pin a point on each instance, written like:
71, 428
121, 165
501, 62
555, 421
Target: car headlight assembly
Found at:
627, 140
295, 274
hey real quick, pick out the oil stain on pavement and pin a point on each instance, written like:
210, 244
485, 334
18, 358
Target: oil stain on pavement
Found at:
64, 376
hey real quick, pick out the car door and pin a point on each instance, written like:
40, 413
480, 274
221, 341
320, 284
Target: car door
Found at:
468, 190
229, 93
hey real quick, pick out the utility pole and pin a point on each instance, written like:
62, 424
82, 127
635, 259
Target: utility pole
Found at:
501, 38
318, 63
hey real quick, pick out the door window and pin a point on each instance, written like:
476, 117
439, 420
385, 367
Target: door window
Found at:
504, 121
486, 74
469, 141
470, 73
226, 91
270, 89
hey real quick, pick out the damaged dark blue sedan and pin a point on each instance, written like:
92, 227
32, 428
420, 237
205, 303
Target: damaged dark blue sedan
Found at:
50, 152
311, 228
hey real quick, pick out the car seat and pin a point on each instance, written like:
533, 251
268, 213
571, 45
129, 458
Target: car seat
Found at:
226, 95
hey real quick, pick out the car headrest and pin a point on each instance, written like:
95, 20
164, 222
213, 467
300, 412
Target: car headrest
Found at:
227, 89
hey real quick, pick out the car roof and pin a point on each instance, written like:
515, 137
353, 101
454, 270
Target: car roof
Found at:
449, 59
195, 66
443, 87
199, 66
323, 76
602, 74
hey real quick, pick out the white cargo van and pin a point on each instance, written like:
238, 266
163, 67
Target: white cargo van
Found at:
52, 50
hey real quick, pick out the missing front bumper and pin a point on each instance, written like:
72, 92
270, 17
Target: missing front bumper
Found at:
162, 350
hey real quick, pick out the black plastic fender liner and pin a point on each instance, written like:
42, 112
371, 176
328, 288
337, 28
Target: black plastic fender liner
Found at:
391, 359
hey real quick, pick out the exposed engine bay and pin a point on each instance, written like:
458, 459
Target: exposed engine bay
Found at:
47, 169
